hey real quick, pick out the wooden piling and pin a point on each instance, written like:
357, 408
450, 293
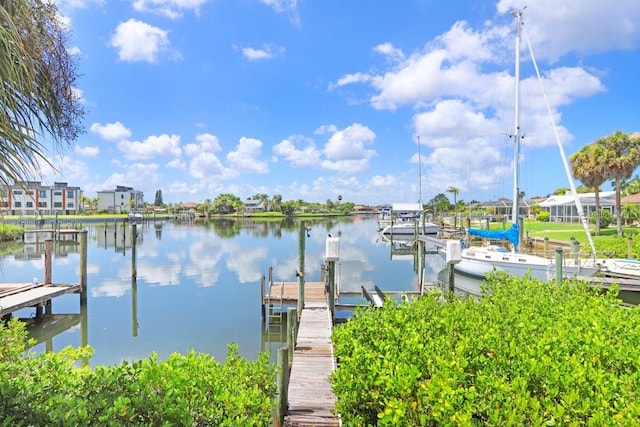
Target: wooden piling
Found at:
331, 277
301, 243
262, 293
559, 266
48, 249
282, 384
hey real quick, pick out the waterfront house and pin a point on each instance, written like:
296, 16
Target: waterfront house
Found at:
33, 198
122, 199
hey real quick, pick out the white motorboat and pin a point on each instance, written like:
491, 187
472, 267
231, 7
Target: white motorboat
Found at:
411, 228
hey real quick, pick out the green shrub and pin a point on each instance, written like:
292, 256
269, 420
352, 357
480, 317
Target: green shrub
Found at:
10, 232
526, 353
606, 218
194, 390
543, 216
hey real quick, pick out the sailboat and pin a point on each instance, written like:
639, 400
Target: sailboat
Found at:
478, 261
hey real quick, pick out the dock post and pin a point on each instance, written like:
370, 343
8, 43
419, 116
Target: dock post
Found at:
576, 252
291, 344
84, 316
331, 277
48, 247
134, 306
301, 241
546, 246
134, 235
282, 385
559, 266
83, 262
452, 278
262, 310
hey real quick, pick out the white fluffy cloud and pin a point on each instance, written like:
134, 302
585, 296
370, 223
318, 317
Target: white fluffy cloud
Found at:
161, 145
111, 131
138, 41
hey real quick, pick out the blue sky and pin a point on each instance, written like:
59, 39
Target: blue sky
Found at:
312, 99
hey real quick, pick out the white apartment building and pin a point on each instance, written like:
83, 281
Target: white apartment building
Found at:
122, 199
33, 198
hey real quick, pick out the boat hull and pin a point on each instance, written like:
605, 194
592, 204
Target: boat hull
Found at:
409, 229
478, 262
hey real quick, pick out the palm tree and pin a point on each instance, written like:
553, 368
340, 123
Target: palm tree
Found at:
591, 172
455, 191
621, 155
37, 96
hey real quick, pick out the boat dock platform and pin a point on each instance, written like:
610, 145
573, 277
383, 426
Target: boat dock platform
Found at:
16, 296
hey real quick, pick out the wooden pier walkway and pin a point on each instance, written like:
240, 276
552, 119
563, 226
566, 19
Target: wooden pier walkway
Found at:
16, 296
311, 399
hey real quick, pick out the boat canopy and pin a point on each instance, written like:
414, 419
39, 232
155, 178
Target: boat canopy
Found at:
512, 234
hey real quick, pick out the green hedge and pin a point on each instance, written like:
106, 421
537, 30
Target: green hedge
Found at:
527, 353
191, 390
10, 232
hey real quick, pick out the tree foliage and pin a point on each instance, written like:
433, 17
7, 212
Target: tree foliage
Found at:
158, 198
526, 353
191, 390
38, 76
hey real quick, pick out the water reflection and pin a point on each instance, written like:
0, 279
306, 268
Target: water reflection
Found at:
196, 284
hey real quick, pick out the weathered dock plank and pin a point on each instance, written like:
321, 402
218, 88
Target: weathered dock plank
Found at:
33, 295
287, 292
311, 398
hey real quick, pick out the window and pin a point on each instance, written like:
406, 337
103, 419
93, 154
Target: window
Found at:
29, 192
70, 205
70, 194
17, 192
43, 193
57, 193
42, 204
57, 204
122, 196
18, 204
29, 204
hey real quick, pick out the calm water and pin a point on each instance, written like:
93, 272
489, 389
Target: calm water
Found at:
198, 285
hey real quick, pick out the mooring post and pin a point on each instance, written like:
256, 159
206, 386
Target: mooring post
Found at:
331, 276
84, 317
134, 235
134, 306
48, 248
576, 252
262, 311
559, 255
546, 246
282, 384
300, 273
332, 255
291, 343
452, 278
83, 264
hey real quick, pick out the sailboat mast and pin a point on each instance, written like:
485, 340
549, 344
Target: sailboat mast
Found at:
516, 130
419, 175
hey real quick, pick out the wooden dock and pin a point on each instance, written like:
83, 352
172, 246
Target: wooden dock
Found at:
286, 293
310, 397
16, 296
